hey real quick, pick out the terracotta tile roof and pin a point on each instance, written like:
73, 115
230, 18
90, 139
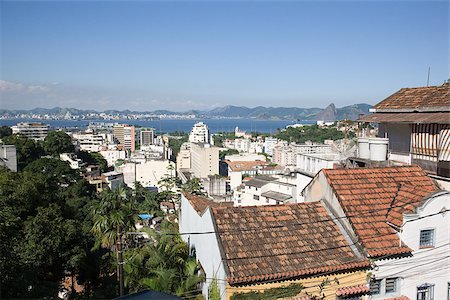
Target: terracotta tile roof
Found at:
269, 243
380, 190
359, 289
201, 203
419, 117
240, 166
417, 99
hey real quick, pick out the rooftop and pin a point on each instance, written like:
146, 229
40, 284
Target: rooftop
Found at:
276, 196
372, 197
201, 203
238, 166
432, 98
267, 243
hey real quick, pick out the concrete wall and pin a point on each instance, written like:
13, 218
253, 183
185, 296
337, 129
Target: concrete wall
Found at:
8, 157
204, 160
427, 265
147, 173
206, 245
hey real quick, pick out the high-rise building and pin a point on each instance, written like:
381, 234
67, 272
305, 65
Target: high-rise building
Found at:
35, 131
199, 133
146, 136
125, 135
204, 160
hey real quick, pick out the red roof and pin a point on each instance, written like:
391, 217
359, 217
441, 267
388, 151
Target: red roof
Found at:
420, 98
270, 243
201, 203
359, 289
242, 166
373, 197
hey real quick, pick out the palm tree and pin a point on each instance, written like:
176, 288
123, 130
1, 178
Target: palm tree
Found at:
113, 215
163, 264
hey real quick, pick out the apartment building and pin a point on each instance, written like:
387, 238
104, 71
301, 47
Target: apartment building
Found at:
146, 136
204, 160
35, 131
89, 140
125, 135
199, 133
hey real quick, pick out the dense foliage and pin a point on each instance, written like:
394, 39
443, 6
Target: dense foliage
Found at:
57, 142
224, 153
54, 227
93, 158
5, 131
221, 136
311, 133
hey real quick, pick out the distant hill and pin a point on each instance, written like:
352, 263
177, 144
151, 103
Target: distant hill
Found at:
330, 113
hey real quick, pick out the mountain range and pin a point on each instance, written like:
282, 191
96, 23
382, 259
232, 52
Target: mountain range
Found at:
330, 113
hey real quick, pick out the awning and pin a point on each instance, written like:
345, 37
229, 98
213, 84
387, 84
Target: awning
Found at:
422, 117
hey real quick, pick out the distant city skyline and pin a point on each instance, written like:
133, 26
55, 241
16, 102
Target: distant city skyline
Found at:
145, 55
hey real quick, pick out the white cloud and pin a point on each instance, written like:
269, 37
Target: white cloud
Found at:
10, 86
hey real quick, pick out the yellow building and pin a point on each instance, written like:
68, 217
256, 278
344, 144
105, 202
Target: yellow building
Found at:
269, 248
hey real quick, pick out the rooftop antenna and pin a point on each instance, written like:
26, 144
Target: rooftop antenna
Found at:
428, 79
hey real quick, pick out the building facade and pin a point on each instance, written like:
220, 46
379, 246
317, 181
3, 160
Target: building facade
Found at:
204, 160
125, 135
146, 136
199, 133
8, 157
35, 131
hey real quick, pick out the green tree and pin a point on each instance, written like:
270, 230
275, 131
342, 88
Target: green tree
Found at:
5, 131
193, 186
113, 215
94, 158
27, 149
224, 153
57, 142
163, 264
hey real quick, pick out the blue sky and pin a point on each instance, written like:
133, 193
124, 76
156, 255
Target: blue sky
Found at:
185, 55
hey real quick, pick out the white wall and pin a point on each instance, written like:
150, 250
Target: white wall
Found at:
206, 245
148, 173
429, 265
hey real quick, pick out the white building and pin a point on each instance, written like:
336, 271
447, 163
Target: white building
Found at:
269, 143
35, 131
147, 173
426, 274
72, 159
112, 156
401, 219
242, 145
184, 157
313, 163
8, 157
199, 133
204, 160
265, 190
90, 141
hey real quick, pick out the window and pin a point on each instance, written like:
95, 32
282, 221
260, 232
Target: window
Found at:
448, 291
426, 238
375, 285
255, 197
425, 292
391, 285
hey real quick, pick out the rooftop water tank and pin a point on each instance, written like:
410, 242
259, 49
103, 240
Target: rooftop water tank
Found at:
378, 148
363, 148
